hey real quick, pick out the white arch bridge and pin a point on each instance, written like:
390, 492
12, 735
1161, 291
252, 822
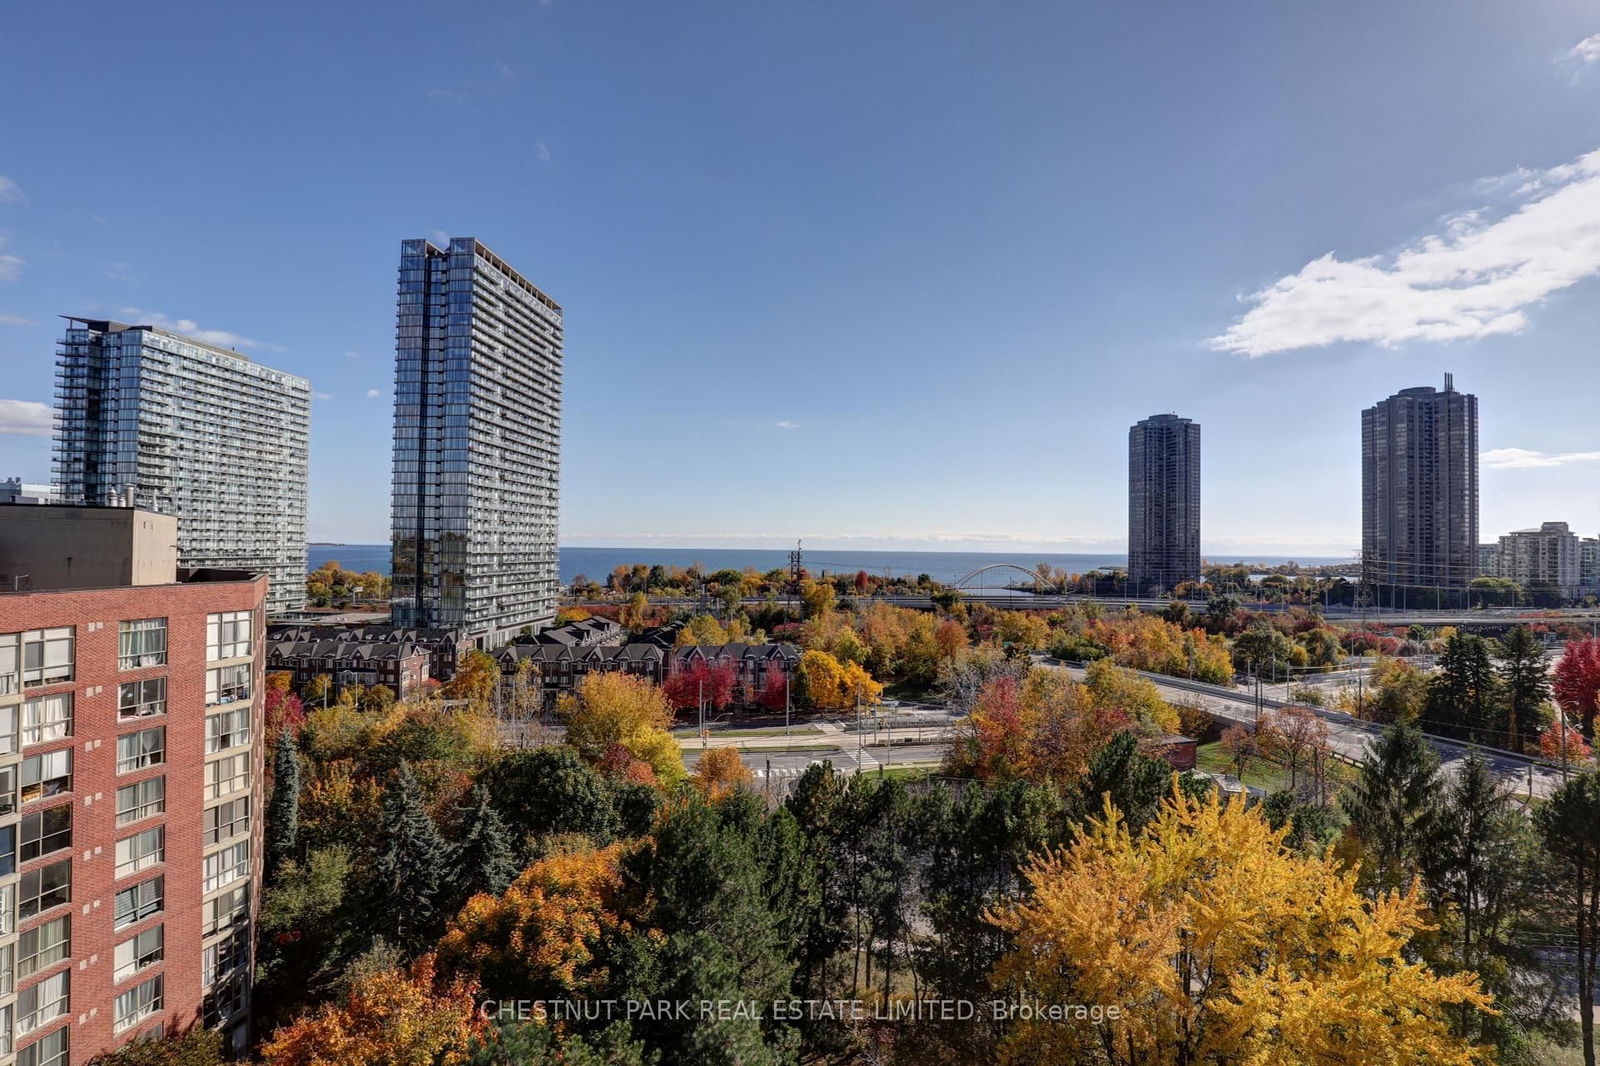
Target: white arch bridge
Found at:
970, 581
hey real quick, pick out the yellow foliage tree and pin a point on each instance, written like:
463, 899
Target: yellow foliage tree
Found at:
540, 939
476, 678
719, 772
389, 1018
619, 710
1216, 943
1126, 691
834, 686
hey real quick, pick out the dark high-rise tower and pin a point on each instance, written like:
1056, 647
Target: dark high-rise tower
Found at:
1163, 503
477, 443
1419, 489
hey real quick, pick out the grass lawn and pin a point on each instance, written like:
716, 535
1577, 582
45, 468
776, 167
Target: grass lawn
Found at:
907, 773
1213, 759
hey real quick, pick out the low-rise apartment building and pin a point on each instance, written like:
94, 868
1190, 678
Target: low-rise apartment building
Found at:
130, 787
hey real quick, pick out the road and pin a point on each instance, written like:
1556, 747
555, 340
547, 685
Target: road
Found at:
919, 735
1350, 738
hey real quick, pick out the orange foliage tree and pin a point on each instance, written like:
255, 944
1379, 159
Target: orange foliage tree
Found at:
719, 772
541, 938
397, 1017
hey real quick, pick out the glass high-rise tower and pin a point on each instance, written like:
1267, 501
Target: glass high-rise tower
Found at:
153, 419
477, 444
1163, 503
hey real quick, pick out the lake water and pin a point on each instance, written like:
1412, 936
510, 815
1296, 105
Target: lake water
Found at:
596, 563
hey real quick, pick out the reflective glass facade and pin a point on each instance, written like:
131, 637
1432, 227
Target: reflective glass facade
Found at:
477, 443
174, 425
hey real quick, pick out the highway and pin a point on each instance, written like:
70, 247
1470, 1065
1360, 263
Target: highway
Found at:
1349, 737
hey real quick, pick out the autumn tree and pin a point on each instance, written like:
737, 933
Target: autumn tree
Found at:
476, 678
1297, 738
396, 1017
544, 936
1560, 743
614, 709
1242, 748
719, 772
830, 685
1577, 682
701, 683
1226, 946
197, 1047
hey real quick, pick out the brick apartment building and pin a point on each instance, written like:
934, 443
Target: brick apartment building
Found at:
130, 785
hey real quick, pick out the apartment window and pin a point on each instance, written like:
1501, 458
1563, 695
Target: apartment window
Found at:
227, 684
8, 975
141, 699
142, 642
141, 851
139, 902
143, 800
10, 663
8, 730
225, 958
135, 751
227, 911
45, 775
44, 946
222, 1003
138, 1003
45, 1001
135, 954
227, 775
48, 1050
8, 850
47, 718
41, 889
227, 635
227, 866
46, 832
227, 820
230, 729
47, 656
8, 909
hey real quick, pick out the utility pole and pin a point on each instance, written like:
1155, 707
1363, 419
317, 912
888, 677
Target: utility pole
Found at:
786, 703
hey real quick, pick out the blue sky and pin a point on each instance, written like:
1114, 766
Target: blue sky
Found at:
878, 275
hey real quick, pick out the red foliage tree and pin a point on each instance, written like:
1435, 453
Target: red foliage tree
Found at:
1575, 749
284, 711
1577, 682
774, 690
686, 687
861, 581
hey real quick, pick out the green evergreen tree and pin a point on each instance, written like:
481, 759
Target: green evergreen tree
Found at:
1464, 696
408, 872
513, 1043
707, 934
1481, 866
1569, 825
283, 813
1135, 782
1525, 683
551, 790
483, 860
1391, 803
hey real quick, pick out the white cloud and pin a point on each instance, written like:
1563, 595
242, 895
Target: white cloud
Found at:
1476, 279
321, 396
26, 418
10, 265
14, 320
1586, 50
543, 150
188, 327
440, 237
788, 425
1520, 458
10, 192
373, 394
